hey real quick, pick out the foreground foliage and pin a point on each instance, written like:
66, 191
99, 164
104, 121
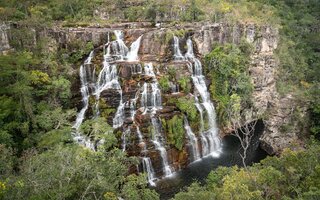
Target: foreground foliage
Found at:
293, 175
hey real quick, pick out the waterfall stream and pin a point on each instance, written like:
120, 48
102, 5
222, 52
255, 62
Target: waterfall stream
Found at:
192, 139
107, 79
209, 138
151, 101
158, 141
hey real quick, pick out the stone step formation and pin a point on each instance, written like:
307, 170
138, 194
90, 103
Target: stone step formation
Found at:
141, 107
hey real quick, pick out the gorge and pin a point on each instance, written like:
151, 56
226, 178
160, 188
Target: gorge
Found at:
150, 125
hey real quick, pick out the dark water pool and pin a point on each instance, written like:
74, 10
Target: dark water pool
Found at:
199, 170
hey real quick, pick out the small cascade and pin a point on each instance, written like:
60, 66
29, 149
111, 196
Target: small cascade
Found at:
155, 96
192, 140
124, 138
157, 140
133, 103
209, 139
136, 69
140, 137
148, 70
134, 48
85, 73
147, 167
212, 146
146, 161
107, 79
119, 47
174, 87
119, 116
150, 101
176, 48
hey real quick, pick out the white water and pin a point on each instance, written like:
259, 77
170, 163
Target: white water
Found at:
85, 73
157, 140
147, 167
134, 48
176, 48
211, 135
192, 140
87, 77
148, 69
107, 79
209, 139
150, 101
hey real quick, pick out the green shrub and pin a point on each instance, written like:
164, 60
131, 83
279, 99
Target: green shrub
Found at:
188, 107
175, 131
184, 83
164, 83
227, 66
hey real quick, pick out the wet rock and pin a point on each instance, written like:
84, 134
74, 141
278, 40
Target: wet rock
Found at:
4, 40
112, 97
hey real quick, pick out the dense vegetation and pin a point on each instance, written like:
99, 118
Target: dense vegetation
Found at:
38, 157
294, 175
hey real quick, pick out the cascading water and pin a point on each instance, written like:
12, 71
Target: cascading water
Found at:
107, 79
133, 53
151, 101
85, 72
157, 140
124, 138
209, 139
148, 70
87, 77
198, 79
192, 140
147, 167
176, 48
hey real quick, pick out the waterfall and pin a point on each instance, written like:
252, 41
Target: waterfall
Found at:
156, 96
148, 69
87, 76
157, 141
107, 78
192, 139
212, 145
134, 48
209, 138
174, 87
124, 138
150, 101
147, 167
176, 49
85, 73
120, 48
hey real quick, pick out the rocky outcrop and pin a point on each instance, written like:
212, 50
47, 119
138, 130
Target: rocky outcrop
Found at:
4, 40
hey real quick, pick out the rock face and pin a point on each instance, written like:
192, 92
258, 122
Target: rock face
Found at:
157, 47
4, 40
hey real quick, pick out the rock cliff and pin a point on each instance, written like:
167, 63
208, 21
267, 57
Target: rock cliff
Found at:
157, 47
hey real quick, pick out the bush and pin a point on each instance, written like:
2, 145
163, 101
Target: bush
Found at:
164, 83
175, 131
184, 83
188, 106
227, 66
